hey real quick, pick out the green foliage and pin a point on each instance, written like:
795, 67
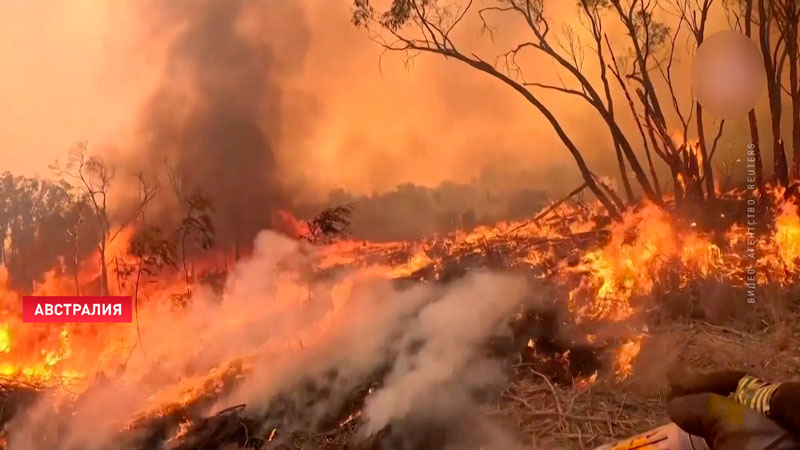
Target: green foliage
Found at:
152, 253
153, 250
39, 224
398, 14
595, 4
363, 13
651, 34
196, 223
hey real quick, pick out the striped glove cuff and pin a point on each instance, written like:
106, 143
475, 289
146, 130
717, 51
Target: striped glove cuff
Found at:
755, 394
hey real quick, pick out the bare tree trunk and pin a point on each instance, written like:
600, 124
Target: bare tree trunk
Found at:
76, 260
624, 174
539, 26
625, 145
136, 307
616, 132
708, 172
649, 98
691, 175
183, 259
598, 38
670, 154
786, 14
781, 167
632, 107
780, 172
653, 173
751, 116
587, 175
103, 268
647, 82
795, 94
696, 17
613, 195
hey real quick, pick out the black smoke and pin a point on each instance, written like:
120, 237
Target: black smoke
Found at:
216, 115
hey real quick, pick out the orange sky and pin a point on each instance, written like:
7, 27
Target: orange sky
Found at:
67, 73
83, 69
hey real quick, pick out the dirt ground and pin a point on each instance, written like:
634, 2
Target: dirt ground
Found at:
586, 415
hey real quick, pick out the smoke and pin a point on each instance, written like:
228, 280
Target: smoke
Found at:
437, 381
296, 347
217, 113
206, 83
410, 211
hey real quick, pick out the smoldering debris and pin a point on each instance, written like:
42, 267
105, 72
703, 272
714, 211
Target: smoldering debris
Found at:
310, 355
216, 116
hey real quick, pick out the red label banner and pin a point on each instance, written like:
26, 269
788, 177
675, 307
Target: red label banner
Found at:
69, 309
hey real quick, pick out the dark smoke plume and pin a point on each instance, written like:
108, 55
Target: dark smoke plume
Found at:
216, 114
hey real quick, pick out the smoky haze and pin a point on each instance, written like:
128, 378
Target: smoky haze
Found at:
271, 104
294, 329
296, 80
214, 117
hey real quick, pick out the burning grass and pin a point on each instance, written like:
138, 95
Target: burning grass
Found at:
562, 343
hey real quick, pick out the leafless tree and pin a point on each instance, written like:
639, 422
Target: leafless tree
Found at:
786, 14
196, 229
428, 26
93, 178
773, 54
740, 17
695, 15
640, 69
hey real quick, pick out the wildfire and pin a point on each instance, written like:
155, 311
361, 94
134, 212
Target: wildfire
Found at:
605, 271
46, 353
626, 355
629, 265
787, 235
5, 339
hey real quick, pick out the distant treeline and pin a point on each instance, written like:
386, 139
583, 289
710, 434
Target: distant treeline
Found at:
410, 211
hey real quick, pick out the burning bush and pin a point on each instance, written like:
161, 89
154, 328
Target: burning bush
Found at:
356, 344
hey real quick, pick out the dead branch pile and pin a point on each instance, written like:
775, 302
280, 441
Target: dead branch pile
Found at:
583, 415
545, 409
15, 396
553, 399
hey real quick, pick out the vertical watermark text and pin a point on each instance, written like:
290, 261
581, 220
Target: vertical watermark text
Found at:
750, 257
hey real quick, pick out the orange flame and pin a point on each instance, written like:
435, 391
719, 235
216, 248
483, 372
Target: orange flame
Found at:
604, 281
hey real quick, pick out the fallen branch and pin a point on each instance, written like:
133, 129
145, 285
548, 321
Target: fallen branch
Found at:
555, 205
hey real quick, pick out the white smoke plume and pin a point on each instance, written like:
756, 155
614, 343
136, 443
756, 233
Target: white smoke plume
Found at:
298, 343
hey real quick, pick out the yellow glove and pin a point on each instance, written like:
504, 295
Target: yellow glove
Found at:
755, 394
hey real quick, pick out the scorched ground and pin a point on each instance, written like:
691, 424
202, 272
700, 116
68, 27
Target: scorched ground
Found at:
554, 330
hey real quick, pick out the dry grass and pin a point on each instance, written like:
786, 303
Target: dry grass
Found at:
580, 417
772, 354
586, 415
